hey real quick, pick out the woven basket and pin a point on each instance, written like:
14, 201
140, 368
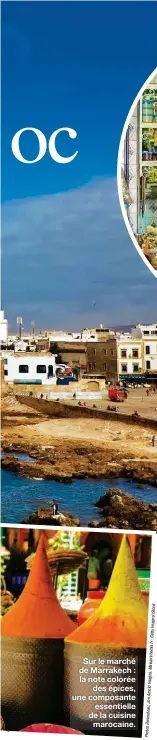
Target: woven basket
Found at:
32, 681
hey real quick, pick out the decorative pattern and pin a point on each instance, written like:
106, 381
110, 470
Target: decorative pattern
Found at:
131, 169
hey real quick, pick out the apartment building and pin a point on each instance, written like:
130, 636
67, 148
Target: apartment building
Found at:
129, 356
137, 358
102, 359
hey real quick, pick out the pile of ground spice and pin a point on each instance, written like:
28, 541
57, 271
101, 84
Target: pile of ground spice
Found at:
37, 613
121, 618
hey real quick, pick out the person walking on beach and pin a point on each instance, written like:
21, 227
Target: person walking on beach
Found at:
153, 440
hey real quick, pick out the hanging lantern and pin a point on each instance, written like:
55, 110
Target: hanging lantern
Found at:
116, 631
33, 632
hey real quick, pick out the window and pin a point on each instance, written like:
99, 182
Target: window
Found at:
23, 369
90, 365
146, 333
5, 372
147, 349
135, 352
102, 329
93, 365
123, 353
41, 369
124, 368
148, 364
105, 352
112, 352
50, 371
135, 368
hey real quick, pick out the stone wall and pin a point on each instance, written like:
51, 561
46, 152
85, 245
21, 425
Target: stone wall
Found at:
65, 410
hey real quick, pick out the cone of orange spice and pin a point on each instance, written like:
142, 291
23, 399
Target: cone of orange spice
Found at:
33, 632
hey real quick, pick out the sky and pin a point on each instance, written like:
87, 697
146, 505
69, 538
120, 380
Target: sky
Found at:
67, 260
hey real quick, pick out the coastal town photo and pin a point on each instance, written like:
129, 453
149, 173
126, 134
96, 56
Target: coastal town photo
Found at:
74, 606
79, 426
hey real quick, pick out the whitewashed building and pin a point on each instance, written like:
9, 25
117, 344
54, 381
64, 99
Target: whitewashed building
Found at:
30, 369
97, 334
20, 345
86, 335
62, 336
145, 330
3, 328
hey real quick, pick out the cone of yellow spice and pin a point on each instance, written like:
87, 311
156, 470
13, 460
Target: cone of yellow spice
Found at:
116, 630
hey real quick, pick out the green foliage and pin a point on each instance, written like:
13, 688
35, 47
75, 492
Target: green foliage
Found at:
7, 600
4, 556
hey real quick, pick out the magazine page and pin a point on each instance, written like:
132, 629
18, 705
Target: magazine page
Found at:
78, 628
78, 342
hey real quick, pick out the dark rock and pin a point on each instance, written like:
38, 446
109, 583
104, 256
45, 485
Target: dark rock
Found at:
125, 511
154, 525
35, 469
9, 462
45, 516
94, 523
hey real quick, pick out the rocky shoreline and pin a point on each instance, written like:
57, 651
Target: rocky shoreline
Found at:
64, 445
48, 464
116, 508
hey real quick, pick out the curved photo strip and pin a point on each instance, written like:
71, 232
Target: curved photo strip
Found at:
137, 172
78, 625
